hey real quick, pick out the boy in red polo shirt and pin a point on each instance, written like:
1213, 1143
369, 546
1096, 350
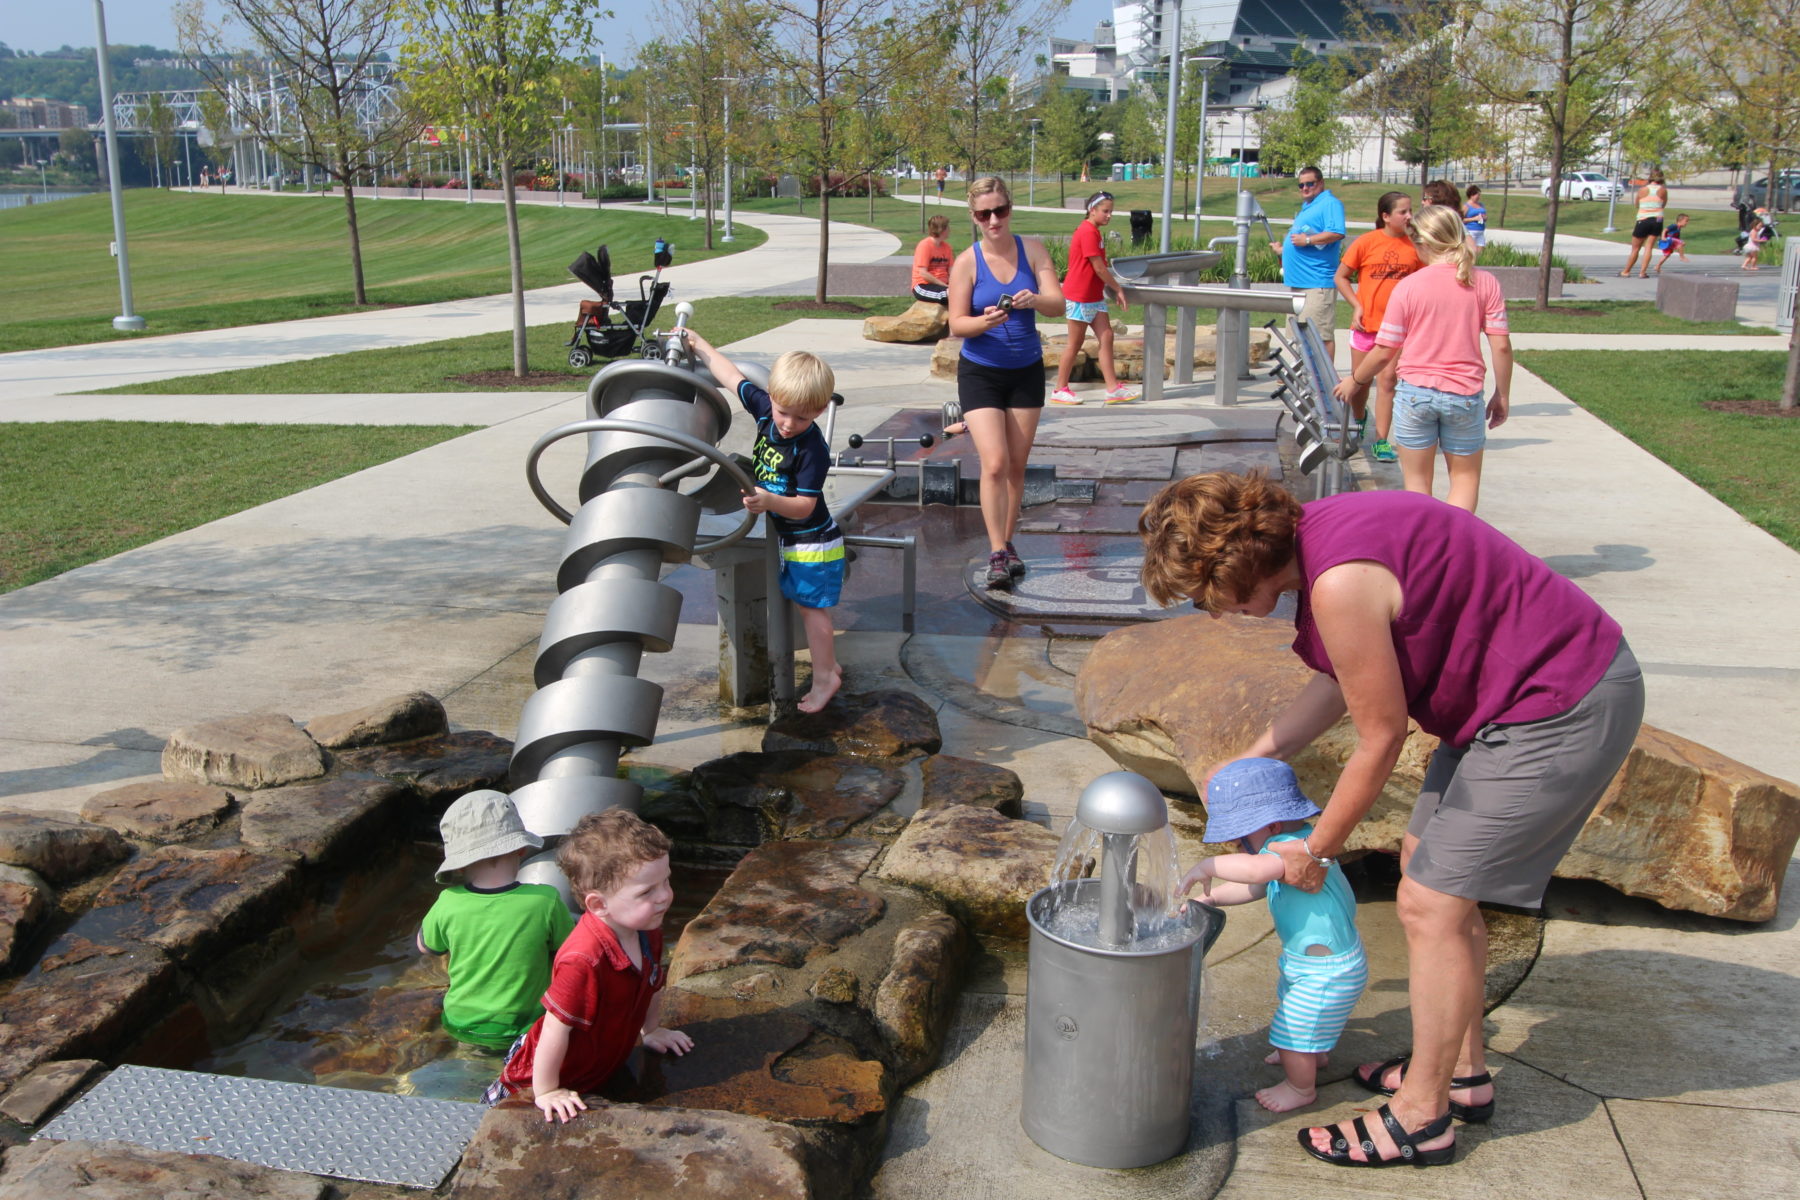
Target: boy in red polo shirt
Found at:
606, 983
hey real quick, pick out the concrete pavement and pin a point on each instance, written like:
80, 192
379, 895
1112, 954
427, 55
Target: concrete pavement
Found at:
1646, 1055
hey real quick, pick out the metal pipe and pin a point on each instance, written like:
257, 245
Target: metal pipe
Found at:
127, 321
1209, 296
1168, 162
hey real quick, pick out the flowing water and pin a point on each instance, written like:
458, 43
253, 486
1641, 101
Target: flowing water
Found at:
1153, 880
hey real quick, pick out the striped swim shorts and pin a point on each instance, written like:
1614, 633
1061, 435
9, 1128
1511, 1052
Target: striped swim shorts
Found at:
812, 573
1314, 998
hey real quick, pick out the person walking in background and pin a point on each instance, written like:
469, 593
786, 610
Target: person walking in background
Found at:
1309, 254
997, 288
940, 175
1652, 198
1475, 216
1762, 232
1442, 192
931, 262
1438, 315
1379, 260
1084, 288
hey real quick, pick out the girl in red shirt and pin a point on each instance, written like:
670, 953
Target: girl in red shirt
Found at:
1084, 303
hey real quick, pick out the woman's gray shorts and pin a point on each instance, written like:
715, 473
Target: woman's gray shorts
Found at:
1494, 817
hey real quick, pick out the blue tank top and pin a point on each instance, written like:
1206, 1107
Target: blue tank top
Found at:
1475, 220
1326, 917
1015, 343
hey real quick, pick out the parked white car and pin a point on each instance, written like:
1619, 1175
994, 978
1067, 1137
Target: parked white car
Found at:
1585, 185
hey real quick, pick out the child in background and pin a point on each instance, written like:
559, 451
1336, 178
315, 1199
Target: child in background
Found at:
1672, 242
1475, 216
1085, 286
500, 934
931, 262
605, 993
1256, 802
1760, 235
1379, 260
791, 459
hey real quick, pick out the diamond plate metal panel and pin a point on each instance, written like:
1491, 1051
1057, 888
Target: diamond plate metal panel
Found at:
373, 1137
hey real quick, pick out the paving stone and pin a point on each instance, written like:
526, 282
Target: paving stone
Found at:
62, 852
121, 1171
158, 810
1681, 1151
1147, 462
395, 719
46, 1088
251, 751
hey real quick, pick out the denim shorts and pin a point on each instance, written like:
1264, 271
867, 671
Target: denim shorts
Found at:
1083, 311
1425, 417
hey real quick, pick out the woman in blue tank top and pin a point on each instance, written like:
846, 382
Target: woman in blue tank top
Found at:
997, 288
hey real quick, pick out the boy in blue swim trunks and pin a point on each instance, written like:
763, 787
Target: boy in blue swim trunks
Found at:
1255, 802
790, 461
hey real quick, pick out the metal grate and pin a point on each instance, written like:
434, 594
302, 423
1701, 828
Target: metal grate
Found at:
373, 1137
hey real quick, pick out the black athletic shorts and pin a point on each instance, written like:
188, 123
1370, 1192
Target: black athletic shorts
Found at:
1649, 227
999, 387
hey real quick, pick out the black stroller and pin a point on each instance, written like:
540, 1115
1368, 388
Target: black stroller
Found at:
606, 328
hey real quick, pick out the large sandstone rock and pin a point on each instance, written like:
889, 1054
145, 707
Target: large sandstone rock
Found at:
61, 851
642, 1153
158, 810
913, 1002
328, 822
751, 798
123, 1171
440, 768
82, 1000
1680, 824
948, 779
889, 724
193, 904
44, 1090
982, 865
254, 751
786, 903
24, 904
923, 322
395, 719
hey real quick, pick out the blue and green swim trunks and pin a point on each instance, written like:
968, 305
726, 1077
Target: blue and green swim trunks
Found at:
812, 573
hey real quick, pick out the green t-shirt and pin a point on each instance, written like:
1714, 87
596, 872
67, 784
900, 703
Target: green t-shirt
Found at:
500, 946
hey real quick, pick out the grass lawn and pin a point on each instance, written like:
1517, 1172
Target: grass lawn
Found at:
1575, 315
1750, 462
74, 492
201, 261
433, 366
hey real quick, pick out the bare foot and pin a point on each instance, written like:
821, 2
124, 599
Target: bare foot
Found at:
1285, 1097
1274, 1059
824, 687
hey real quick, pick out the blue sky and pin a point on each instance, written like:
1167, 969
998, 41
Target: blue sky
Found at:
47, 26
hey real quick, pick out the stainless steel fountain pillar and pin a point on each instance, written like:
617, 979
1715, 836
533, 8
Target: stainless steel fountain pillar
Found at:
1109, 1030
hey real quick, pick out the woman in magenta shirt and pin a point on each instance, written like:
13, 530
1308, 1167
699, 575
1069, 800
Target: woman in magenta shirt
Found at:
1411, 608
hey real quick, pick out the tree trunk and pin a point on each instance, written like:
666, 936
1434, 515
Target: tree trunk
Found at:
509, 188
709, 208
1790, 386
356, 267
824, 234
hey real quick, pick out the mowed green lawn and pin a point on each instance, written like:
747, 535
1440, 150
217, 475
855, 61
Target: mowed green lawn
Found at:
1749, 461
202, 261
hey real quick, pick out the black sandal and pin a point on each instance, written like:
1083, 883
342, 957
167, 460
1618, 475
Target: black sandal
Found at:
1410, 1154
1469, 1114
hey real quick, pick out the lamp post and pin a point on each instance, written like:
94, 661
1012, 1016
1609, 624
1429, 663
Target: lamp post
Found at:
44, 177
1168, 162
1031, 185
127, 321
1206, 63
728, 80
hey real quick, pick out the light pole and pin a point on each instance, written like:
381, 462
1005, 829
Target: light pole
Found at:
1031, 186
127, 321
1206, 63
1168, 162
44, 176
728, 80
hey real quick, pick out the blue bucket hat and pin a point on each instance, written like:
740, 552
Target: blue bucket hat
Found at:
1250, 793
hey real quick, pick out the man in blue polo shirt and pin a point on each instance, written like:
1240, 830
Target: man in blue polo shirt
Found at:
1309, 255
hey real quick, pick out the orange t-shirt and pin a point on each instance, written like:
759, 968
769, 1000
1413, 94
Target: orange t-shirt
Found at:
931, 261
1379, 262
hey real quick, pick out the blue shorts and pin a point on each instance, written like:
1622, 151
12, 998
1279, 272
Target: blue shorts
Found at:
1425, 417
812, 573
1314, 998
1076, 310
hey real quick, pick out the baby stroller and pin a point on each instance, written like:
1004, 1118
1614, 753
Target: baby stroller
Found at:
606, 328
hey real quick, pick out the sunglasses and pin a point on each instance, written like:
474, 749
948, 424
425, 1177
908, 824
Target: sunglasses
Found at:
997, 213
1307, 183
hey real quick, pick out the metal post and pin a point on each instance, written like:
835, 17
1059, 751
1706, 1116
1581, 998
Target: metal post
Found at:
1031, 187
728, 237
126, 321
1168, 162
468, 169
1207, 63
781, 624
694, 168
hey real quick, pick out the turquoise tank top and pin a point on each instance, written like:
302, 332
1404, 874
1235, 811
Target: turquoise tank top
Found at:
1326, 917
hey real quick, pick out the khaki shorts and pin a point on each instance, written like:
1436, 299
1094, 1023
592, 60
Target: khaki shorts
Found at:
1321, 310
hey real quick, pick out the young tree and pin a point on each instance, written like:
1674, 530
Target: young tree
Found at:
490, 67
327, 53
159, 119
1406, 77
984, 46
1306, 126
1067, 141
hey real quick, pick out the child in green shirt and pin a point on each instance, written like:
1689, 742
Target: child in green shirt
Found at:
500, 934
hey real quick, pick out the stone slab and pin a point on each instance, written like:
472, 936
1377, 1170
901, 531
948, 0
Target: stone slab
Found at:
252, 751
1695, 298
161, 811
327, 822
193, 904
114, 1170
1679, 1151
44, 1090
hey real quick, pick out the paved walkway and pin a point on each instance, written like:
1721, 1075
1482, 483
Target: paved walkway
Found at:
1645, 1056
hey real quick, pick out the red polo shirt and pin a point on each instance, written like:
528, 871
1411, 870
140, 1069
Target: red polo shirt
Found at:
596, 991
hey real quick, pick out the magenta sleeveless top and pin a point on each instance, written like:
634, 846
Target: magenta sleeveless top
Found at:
1486, 632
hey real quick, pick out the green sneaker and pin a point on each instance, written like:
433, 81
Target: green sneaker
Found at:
1383, 451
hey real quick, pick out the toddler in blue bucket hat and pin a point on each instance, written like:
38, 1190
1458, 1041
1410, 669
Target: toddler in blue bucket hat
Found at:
1256, 802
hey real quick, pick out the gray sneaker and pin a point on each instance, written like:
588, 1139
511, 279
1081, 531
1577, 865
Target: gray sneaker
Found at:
999, 575
1014, 564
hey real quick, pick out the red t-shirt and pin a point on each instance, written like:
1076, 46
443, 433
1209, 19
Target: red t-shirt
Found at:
596, 991
1082, 285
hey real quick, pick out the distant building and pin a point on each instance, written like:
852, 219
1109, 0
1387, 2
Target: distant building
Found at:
35, 112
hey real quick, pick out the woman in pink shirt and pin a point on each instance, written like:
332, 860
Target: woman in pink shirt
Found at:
1439, 315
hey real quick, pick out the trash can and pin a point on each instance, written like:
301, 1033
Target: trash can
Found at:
1141, 219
